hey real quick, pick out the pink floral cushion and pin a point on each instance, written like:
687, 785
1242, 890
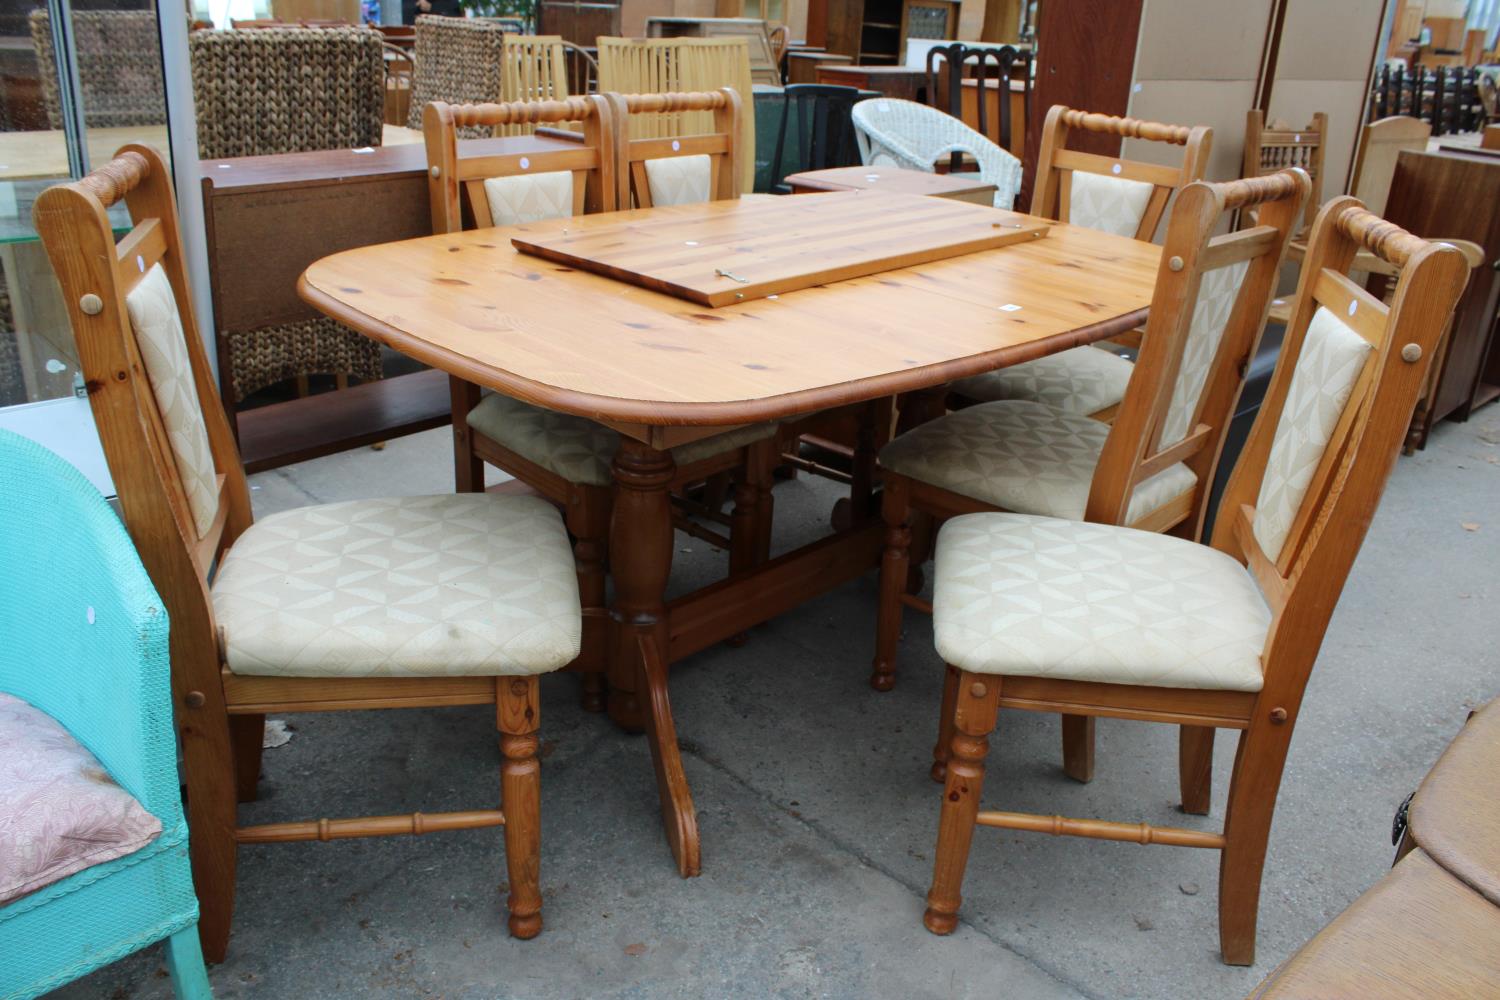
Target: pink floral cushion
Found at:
60, 812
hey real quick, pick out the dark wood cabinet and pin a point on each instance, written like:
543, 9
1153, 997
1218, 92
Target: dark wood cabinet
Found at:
874, 32
1457, 195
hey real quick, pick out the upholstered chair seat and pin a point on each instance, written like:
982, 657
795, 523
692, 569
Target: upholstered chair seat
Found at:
1030, 596
1022, 456
578, 449
1083, 380
467, 584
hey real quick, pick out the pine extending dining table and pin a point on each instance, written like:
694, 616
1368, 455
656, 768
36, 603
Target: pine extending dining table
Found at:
664, 371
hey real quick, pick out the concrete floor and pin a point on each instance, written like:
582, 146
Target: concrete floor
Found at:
817, 814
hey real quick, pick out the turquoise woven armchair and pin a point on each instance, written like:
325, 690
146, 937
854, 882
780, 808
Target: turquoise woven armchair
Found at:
86, 643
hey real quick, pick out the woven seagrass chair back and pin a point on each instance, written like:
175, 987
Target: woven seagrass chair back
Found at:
287, 90
459, 60
119, 67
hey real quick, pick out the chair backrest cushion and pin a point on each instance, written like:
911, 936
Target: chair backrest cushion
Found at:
679, 180
63, 812
1217, 292
1108, 204
160, 339
530, 197
1327, 369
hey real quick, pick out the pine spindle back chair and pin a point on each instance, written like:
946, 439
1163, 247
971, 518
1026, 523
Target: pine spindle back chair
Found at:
1112, 195
680, 169
1269, 148
1228, 635
568, 458
1152, 468
243, 642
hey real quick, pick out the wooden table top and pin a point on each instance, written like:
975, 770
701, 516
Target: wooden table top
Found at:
1456, 812
44, 154
894, 180
470, 304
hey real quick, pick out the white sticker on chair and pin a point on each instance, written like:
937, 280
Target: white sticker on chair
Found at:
525, 163
1352, 306
140, 263
676, 146
1115, 169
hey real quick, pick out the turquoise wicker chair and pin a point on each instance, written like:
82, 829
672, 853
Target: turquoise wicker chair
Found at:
86, 643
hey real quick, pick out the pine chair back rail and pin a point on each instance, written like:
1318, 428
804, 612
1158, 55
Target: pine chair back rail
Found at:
639, 157
1207, 314
1062, 195
1293, 516
182, 488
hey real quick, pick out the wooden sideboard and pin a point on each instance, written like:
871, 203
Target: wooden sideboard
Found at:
269, 217
1456, 195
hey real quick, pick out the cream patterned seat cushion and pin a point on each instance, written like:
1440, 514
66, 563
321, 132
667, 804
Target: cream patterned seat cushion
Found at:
1083, 380
467, 584
1021, 456
577, 449
1108, 204
679, 180
1042, 597
530, 197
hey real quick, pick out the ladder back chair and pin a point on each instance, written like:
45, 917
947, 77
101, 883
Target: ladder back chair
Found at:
1044, 614
1109, 194
316, 609
564, 457
680, 168
818, 119
946, 65
1152, 468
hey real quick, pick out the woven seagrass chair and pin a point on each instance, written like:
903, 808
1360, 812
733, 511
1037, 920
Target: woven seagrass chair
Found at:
680, 66
459, 60
288, 90
1152, 468
416, 601
1112, 195
915, 137
564, 457
1041, 613
86, 644
119, 67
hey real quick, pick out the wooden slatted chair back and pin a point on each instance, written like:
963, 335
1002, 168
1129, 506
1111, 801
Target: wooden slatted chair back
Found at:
1278, 146
719, 143
165, 433
532, 68
1207, 314
454, 179
1352, 367
1112, 193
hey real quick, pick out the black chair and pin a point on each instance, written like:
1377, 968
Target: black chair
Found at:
945, 91
819, 118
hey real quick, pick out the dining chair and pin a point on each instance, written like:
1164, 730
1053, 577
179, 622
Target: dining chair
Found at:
1269, 148
459, 60
680, 66
946, 66
118, 53
1109, 194
822, 131
568, 458
1152, 467
388, 603
915, 137
1381, 143
680, 168
113, 852
533, 68
288, 90
1046, 614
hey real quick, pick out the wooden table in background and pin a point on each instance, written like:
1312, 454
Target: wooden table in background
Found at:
664, 371
901, 82
894, 180
802, 65
267, 218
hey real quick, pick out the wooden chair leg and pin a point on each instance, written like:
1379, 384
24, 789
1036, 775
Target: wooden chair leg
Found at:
716, 490
468, 468
185, 965
517, 711
895, 510
944, 745
588, 522
1258, 762
1078, 747
1195, 767
862, 465
208, 769
975, 708
247, 733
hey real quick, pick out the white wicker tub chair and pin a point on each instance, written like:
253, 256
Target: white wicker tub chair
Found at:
914, 136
